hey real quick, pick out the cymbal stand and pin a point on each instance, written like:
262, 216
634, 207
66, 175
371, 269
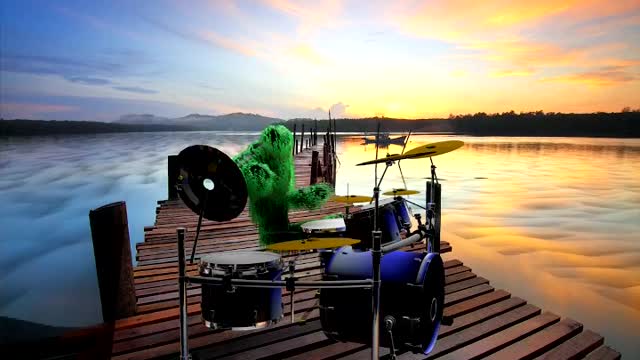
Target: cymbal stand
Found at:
376, 257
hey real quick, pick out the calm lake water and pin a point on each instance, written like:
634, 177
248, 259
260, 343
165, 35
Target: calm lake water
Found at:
553, 220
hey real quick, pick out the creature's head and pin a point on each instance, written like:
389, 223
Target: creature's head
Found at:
277, 141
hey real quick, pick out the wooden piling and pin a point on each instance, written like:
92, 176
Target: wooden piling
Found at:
172, 172
295, 149
302, 138
112, 251
314, 167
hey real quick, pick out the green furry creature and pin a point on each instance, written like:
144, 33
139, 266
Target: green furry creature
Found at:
268, 169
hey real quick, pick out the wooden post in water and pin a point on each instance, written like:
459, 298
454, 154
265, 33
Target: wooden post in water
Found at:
436, 220
314, 167
172, 173
302, 138
295, 150
112, 251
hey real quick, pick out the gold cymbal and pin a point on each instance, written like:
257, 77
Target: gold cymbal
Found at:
396, 192
434, 149
351, 199
428, 150
312, 243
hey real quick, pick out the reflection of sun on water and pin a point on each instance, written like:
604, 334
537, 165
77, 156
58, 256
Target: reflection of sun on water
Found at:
562, 213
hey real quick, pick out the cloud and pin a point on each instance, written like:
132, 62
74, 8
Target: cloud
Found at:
512, 72
311, 15
604, 76
338, 110
227, 43
135, 89
19, 110
88, 80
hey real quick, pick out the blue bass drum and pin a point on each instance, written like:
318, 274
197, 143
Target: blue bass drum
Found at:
412, 292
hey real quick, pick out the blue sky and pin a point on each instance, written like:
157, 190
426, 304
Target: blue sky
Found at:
84, 60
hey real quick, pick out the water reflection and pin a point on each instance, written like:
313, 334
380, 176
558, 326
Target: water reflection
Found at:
47, 187
552, 220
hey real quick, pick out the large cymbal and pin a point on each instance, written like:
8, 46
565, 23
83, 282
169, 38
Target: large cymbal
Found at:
202, 165
350, 199
312, 243
428, 150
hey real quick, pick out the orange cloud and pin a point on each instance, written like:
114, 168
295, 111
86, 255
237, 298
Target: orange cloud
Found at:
311, 15
606, 76
505, 73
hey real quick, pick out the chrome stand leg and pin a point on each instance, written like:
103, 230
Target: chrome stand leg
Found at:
292, 270
182, 294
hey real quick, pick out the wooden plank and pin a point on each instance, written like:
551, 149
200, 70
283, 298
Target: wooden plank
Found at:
475, 303
465, 294
539, 342
603, 353
575, 348
495, 342
477, 332
465, 285
475, 317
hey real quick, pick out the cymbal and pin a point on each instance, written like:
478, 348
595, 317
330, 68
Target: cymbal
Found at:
206, 172
434, 149
350, 199
395, 192
312, 243
428, 150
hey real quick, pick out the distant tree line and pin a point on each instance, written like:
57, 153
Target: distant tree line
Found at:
42, 127
538, 123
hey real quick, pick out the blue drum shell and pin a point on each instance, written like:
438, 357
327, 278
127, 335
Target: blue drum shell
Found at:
410, 283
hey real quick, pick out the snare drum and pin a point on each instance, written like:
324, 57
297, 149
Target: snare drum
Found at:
326, 227
241, 308
412, 293
360, 225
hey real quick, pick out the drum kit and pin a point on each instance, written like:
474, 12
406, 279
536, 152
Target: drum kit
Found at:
369, 286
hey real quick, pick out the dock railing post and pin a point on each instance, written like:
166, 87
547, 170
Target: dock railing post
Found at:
314, 167
302, 138
112, 252
295, 150
172, 174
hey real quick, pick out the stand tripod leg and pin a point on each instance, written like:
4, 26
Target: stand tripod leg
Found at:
376, 257
182, 294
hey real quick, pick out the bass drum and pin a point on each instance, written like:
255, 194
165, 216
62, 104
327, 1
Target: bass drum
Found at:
412, 292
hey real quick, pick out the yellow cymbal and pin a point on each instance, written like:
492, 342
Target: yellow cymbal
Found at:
428, 150
350, 199
434, 149
395, 192
312, 243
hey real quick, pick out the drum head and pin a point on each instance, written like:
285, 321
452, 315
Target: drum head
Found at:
431, 275
240, 257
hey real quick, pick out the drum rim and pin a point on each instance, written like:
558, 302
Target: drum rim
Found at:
427, 344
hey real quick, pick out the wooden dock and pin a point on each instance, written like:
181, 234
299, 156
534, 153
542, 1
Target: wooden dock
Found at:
488, 322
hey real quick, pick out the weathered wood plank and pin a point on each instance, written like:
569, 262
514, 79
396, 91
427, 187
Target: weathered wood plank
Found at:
575, 348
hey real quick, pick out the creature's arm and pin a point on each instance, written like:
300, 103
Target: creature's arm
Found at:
310, 197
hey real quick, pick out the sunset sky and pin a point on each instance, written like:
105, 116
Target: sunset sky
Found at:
83, 60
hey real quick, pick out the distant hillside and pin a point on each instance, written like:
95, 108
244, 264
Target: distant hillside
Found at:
42, 127
234, 121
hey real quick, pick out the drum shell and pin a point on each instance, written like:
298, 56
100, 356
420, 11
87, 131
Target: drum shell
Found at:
402, 213
410, 282
243, 308
360, 225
